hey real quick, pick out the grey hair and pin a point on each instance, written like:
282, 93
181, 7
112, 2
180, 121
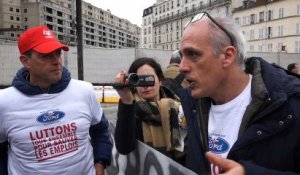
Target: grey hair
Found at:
220, 39
176, 57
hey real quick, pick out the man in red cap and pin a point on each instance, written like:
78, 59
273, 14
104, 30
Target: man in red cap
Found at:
47, 131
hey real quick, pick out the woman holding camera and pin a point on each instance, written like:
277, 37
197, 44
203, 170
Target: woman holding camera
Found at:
149, 113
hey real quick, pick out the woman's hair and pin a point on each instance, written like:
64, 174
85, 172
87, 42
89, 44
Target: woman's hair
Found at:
136, 64
220, 39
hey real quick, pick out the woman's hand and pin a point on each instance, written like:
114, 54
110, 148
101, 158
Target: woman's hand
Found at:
124, 93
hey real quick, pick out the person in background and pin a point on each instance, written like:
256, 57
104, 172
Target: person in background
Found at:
243, 116
50, 123
293, 67
172, 70
149, 114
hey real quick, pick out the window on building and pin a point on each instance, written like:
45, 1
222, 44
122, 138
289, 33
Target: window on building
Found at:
59, 13
260, 48
11, 18
18, 18
49, 10
251, 34
269, 34
17, 10
149, 30
251, 48
260, 33
244, 20
25, 10
270, 15
279, 47
297, 46
280, 30
298, 9
11, 9
298, 28
237, 20
261, 16
281, 12
270, 47
252, 19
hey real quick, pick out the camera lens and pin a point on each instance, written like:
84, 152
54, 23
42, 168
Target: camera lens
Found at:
133, 79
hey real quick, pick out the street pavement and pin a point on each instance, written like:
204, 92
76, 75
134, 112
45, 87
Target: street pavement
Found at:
110, 111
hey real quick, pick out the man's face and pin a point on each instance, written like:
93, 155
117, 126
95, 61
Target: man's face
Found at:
296, 69
44, 69
203, 69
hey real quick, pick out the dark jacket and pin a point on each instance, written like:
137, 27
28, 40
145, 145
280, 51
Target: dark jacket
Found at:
129, 125
100, 135
269, 135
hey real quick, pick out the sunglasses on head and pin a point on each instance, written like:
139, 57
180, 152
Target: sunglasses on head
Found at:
200, 16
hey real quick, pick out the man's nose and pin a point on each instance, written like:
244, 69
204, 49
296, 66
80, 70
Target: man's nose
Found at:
183, 66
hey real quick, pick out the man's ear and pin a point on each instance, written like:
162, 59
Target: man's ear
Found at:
25, 61
230, 56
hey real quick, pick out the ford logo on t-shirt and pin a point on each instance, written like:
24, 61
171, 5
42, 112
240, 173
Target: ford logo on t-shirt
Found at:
50, 116
218, 145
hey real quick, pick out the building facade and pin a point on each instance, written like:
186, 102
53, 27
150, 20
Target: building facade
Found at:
270, 25
100, 28
163, 27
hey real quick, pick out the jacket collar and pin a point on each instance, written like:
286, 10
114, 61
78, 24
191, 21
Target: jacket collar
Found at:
20, 83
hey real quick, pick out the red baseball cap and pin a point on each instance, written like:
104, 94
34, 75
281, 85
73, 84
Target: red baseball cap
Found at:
40, 39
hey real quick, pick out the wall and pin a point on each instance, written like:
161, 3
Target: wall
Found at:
100, 65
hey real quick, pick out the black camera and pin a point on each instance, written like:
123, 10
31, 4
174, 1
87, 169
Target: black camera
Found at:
135, 80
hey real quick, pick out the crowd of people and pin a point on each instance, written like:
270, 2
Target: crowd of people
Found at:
228, 115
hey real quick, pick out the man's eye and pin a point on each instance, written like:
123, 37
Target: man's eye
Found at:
192, 55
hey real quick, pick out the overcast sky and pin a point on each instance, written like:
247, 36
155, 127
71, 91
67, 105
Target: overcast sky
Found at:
127, 9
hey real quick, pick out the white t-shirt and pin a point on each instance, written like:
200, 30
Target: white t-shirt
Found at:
49, 133
225, 120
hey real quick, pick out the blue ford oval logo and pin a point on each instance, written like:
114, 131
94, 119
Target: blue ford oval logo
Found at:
218, 145
50, 116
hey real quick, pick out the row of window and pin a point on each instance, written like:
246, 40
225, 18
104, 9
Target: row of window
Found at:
262, 16
170, 5
269, 47
267, 32
17, 10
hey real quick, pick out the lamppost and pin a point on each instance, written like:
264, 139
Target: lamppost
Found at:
79, 39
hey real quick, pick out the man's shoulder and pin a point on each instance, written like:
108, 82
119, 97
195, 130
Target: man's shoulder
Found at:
81, 85
7, 91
